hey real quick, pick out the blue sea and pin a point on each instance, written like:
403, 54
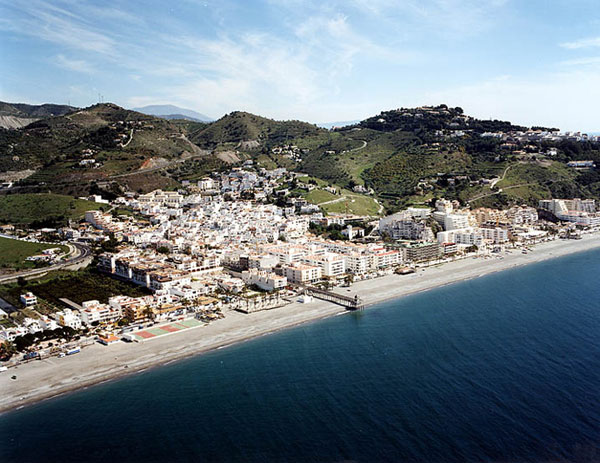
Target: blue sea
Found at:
503, 368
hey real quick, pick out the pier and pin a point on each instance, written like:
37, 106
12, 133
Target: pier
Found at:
349, 302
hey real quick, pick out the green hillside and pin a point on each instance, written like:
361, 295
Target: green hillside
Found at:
243, 127
42, 210
406, 155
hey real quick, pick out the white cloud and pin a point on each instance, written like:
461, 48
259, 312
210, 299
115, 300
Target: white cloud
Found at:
60, 26
586, 61
582, 43
74, 64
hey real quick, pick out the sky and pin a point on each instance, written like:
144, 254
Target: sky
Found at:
533, 62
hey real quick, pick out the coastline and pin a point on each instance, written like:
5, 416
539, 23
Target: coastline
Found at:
53, 377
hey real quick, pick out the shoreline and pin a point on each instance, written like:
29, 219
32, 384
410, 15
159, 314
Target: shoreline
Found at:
50, 378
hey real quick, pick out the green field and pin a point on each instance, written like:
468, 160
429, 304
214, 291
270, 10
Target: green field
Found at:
353, 204
14, 252
346, 201
39, 210
320, 196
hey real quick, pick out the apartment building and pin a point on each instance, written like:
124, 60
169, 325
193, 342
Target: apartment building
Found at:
332, 265
303, 274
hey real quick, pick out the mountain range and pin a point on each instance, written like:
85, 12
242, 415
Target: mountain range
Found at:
406, 156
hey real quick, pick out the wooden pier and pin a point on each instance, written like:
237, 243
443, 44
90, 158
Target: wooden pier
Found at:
351, 303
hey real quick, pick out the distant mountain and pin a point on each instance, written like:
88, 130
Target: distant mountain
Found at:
168, 111
16, 115
176, 117
331, 125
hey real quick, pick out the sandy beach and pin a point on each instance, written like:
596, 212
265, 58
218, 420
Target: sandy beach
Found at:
51, 377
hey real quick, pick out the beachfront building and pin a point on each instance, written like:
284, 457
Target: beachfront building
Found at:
358, 264
332, 265
496, 235
68, 318
464, 236
303, 274
386, 258
264, 280
95, 312
419, 252
578, 211
32, 325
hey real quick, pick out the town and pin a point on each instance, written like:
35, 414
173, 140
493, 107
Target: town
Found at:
238, 241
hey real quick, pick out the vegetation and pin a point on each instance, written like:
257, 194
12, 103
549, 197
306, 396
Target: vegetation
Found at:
42, 210
407, 156
79, 286
14, 252
241, 126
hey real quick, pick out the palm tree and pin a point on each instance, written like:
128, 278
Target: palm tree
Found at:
148, 313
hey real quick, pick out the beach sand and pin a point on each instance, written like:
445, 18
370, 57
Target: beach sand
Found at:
55, 376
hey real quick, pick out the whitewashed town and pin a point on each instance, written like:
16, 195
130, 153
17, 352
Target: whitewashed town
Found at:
204, 251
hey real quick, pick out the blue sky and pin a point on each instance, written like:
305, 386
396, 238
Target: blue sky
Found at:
529, 61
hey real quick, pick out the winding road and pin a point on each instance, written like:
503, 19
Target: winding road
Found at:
82, 252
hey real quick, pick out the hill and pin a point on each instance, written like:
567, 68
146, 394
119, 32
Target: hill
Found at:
411, 155
43, 210
239, 127
405, 156
103, 143
16, 115
169, 111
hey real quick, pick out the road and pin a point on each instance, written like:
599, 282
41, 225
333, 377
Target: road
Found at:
500, 190
128, 141
82, 253
499, 179
364, 145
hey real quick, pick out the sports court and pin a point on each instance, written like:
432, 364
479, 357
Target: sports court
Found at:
166, 329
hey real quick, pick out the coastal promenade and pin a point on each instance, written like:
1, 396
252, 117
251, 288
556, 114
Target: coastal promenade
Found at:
51, 377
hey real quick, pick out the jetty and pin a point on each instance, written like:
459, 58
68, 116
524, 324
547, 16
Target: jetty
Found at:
349, 302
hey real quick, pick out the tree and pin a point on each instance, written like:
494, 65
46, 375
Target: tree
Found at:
163, 250
7, 350
149, 313
472, 248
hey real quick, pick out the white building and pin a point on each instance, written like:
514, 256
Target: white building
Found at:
28, 299
94, 312
332, 265
264, 280
456, 221
495, 235
68, 318
303, 274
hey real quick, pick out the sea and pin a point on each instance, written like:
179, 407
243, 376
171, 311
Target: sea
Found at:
501, 368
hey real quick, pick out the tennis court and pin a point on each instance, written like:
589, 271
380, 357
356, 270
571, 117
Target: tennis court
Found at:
166, 329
